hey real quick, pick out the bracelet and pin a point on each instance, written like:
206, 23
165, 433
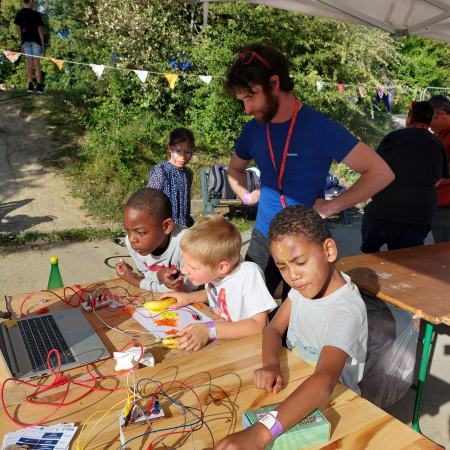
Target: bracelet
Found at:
212, 330
246, 198
271, 422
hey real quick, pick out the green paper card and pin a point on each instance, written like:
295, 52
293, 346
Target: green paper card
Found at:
313, 429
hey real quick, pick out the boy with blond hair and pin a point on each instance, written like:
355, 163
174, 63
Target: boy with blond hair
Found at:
234, 289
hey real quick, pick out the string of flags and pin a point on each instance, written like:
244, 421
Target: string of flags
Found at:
99, 68
172, 77
361, 89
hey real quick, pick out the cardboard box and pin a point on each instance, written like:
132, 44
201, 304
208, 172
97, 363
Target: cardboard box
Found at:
313, 429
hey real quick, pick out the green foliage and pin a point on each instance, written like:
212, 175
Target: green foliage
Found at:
115, 129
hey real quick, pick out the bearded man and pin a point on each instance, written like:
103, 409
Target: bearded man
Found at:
293, 146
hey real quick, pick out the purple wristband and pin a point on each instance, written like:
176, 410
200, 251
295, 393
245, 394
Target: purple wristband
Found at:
246, 198
277, 429
212, 330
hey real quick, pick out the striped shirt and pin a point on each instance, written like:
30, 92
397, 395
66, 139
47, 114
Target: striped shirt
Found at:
443, 190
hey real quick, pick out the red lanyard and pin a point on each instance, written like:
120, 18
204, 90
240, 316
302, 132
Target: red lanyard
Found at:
421, 126
286, 148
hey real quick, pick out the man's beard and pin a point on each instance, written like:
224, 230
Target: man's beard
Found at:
269, 110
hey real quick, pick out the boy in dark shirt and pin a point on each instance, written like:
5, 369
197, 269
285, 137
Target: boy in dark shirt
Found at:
30, 29
400, 215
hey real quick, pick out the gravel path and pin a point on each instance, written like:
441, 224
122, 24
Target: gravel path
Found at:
34, 196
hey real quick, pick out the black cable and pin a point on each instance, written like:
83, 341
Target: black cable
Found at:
7, 314
112, 257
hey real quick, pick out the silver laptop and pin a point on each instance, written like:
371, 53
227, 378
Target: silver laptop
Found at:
25, 346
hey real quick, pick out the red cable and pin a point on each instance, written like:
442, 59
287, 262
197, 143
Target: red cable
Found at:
60, 381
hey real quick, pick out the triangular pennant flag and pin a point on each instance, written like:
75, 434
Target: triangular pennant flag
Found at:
171, 78
380, 92
362, 90
142, 74
58, 62
12, 56
340, 87
319, 85
206, 78
97, 69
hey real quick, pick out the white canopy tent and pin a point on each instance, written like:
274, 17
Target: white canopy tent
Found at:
426, 18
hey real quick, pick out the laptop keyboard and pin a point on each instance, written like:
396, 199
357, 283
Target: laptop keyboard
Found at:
41, 335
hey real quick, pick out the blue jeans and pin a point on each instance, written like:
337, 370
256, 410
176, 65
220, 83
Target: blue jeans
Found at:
31, 49
385, 99
377, 232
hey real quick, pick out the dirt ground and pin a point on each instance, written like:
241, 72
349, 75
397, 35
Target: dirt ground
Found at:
34, 196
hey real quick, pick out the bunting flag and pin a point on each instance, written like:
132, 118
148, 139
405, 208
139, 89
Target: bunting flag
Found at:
12, 56
97, 69
171, 78
340, 87
319, 85
58, 62
380, 92
142, 74
206, 78
361, 90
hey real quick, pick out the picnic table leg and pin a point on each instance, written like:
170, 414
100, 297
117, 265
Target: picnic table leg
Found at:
423, 371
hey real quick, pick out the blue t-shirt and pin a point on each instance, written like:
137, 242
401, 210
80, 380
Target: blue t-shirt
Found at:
316, 140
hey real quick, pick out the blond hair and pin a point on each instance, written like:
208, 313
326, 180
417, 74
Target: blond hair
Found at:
211, 240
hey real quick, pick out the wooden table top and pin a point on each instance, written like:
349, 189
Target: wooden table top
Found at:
222, 377
414, 279
113, 340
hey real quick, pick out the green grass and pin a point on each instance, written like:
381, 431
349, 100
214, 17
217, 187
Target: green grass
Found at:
82, 234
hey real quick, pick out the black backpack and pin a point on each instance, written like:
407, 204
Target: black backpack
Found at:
218, 185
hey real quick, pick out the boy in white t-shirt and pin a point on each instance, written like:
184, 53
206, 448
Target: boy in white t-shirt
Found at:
234, 289
326, 322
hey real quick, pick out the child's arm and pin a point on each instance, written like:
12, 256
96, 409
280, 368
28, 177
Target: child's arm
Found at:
269, 376
197, 336
315, 391
186, 298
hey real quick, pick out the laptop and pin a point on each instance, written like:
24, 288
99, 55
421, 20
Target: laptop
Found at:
24, 347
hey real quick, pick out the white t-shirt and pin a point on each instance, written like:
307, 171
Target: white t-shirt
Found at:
338, 320
241, 294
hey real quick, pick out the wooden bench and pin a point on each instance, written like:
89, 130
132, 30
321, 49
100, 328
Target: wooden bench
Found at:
209, 204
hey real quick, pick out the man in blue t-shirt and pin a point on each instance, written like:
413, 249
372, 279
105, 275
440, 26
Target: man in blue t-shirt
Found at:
259, 76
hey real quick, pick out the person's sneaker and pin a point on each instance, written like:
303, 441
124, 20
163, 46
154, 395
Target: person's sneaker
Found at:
40, 89
30, 87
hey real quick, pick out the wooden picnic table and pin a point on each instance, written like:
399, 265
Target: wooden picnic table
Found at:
222, 376
415, 279
113, 340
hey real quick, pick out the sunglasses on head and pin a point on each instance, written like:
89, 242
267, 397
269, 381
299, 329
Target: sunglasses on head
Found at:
247, 57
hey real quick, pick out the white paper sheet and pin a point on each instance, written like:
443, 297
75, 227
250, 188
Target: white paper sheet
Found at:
146, 319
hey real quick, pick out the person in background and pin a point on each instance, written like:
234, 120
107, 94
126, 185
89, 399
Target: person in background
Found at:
30, 29
174, 178
400, 215
440, 126
293, 145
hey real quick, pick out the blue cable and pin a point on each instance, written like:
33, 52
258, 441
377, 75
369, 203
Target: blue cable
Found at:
173, 401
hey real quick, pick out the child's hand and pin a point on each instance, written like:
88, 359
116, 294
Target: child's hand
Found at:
195, 337
166, 276
269, 378
255, 437
183, 299
125, 271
